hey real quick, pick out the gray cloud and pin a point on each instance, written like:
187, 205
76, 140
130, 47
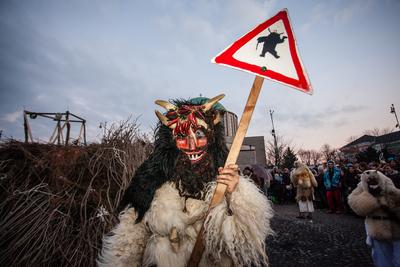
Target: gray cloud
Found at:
40, 73
334, 116
12, 116
106, 61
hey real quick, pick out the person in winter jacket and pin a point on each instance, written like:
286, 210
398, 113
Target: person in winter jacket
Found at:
332, 183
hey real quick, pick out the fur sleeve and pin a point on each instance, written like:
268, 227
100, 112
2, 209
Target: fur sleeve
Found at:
293, 179
125, 244
362, 202
241, 234
313, 180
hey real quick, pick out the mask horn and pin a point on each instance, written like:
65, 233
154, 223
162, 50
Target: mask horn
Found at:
162, 118
217, 119
165, 104
212, 101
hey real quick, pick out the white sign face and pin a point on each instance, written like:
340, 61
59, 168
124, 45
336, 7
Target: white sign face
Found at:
269, 48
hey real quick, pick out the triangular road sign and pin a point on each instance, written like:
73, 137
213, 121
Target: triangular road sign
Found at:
270, 51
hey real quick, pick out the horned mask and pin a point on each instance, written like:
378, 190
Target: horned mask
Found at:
189, 126
180, 120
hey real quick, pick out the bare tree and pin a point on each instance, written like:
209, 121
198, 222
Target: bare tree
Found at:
305, 156
327, 152
352, 138
374, 132
275, 155
386, 130
315, 156
377, 131
310, 156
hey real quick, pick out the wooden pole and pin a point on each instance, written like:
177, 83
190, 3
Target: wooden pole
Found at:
219, 192
58, 132
25, 127
29, 128
84, 132
62, 134
68, 127
52, 139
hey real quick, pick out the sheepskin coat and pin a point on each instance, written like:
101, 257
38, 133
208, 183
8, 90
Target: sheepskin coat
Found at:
304, 185
380, 209
235, 230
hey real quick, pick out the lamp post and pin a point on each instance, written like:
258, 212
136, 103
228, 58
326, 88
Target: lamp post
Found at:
271, 112
393, 110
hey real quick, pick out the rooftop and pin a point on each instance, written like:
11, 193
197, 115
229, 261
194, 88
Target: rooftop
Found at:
382, 139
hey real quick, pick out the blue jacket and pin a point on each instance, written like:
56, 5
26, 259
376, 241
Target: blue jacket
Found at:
335, 179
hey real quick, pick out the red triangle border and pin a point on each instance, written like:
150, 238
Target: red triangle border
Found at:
226, 57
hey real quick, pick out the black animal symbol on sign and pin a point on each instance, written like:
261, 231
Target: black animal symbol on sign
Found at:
270, 41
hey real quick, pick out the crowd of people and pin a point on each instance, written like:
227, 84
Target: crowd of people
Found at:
370, 190
335, 182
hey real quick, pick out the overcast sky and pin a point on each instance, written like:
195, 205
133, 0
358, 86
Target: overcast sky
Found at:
107, 60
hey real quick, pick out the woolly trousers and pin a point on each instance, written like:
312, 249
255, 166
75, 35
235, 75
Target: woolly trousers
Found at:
334, 199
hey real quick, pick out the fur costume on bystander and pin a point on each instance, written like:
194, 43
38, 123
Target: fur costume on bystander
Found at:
378, 199
303, 179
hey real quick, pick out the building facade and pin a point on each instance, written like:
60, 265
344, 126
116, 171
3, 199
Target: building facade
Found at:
253, 148
390, 142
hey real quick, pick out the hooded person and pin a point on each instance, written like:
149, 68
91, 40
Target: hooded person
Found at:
165, 206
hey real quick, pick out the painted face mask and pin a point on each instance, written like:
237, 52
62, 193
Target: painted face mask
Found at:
189, 127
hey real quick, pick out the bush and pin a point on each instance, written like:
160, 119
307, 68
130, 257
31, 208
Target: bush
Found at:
56, 202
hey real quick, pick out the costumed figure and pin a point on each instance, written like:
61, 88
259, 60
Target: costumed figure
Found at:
165, 206
304, 181
378, 200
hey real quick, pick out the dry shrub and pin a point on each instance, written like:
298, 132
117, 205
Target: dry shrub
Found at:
56, 202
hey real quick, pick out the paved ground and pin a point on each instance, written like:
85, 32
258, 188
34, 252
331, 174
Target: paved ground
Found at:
329, 240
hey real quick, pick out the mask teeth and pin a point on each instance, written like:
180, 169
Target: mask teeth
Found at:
194, 156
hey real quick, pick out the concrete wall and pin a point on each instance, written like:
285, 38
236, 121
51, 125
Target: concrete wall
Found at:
253, 148
259, 146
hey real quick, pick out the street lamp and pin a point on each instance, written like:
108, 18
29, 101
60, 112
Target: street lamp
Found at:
393, 110
277, 163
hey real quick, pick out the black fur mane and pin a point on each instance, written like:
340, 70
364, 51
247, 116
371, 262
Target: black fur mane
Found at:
160, 166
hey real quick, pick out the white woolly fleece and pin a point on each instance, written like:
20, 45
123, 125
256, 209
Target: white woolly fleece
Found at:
362, 202
166, 212
237, 239
365, 204
240, 236
384, 182
125, 244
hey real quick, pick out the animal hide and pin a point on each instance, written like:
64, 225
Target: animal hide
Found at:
240, 235
124, 246
234, 231
304, 181
382, 210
